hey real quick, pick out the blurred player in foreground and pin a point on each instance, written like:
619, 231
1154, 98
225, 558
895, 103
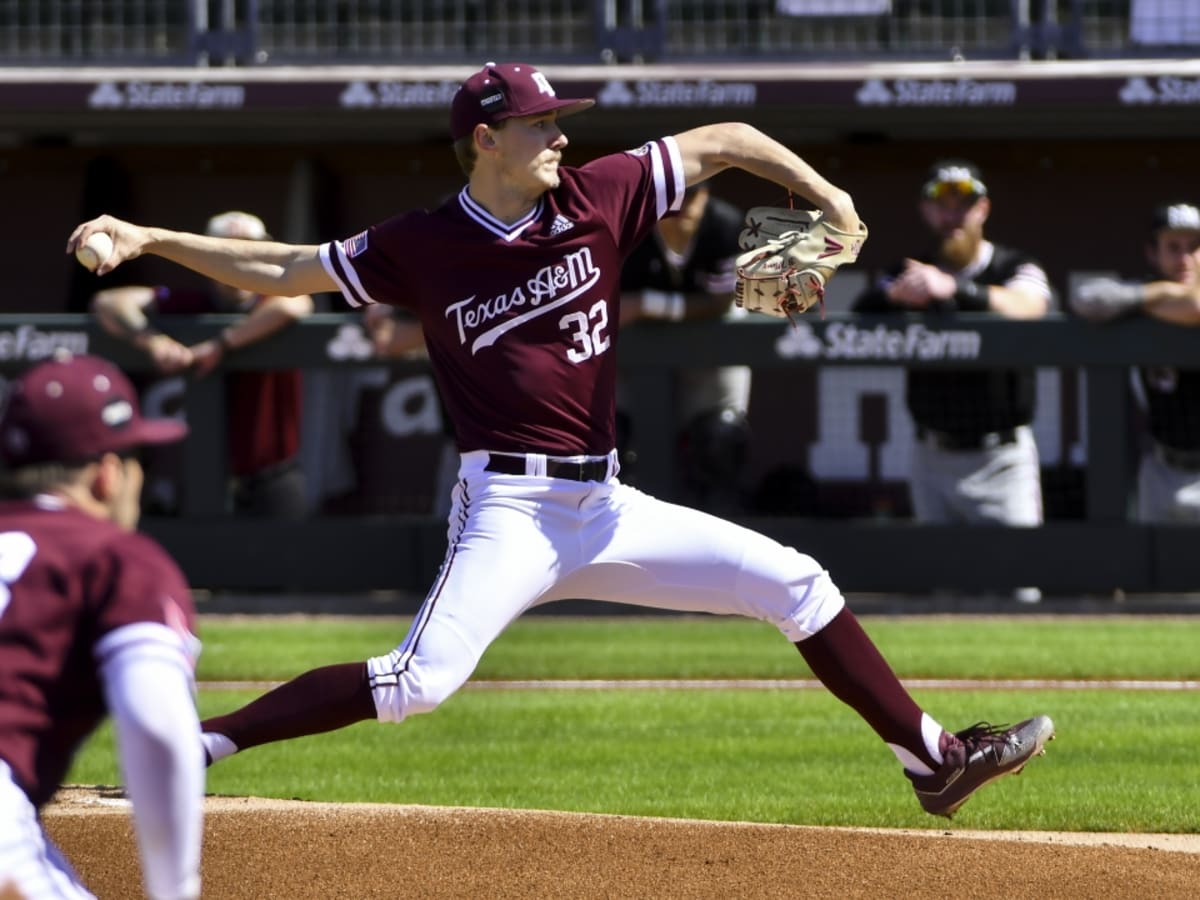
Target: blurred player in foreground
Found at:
94, 617
516, 284
1169, 474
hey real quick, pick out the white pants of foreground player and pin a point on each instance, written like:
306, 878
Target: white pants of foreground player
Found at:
29, 862
517, 541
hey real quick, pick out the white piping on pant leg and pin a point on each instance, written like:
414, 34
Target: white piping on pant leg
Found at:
418, 676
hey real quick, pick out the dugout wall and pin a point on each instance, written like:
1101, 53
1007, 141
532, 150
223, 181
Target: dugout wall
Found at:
1075, 155
1097, 551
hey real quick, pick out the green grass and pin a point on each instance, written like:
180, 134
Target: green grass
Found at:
237, 648
1124, 760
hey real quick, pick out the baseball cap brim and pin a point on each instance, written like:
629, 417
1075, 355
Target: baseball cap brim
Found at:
565, 107
145, 433
156, 431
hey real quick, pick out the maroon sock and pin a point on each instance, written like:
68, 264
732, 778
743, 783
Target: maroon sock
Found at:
319, 700
843, 657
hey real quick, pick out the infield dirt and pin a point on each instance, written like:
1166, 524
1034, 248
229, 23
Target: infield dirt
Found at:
256, 849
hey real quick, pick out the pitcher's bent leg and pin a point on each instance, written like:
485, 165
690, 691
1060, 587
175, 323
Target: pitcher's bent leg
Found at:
320, 700
672, 557
434, 661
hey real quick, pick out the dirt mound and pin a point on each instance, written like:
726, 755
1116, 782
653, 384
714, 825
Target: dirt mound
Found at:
257, 849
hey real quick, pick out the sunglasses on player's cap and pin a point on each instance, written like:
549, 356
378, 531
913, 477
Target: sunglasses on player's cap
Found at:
72, 409
953, 178
498, 92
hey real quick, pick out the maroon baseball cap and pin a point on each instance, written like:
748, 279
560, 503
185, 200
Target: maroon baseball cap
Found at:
73, 409
498, 92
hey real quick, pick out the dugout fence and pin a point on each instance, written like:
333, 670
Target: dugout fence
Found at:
364, 32
1096, 549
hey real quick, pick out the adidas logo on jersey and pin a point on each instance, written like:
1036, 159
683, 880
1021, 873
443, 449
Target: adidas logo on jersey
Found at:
561, 224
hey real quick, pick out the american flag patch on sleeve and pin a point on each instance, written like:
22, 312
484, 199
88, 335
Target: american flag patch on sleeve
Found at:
356, 245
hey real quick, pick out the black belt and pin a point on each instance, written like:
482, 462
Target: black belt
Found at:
592, 470
945, 440
1184, 460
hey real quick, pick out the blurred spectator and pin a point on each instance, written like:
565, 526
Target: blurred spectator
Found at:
396, 335
975, 459
684, 270
1169, 474
263, 408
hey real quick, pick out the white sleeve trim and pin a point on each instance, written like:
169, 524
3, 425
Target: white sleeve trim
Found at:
677, 171
350, 286
668, 197
151, 638
148, 688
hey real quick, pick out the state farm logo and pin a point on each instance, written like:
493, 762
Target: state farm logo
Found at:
936, 92
842, 340
29, 342
800, 342
1168, 89
398, 95
166, 95
678, 93
349, 343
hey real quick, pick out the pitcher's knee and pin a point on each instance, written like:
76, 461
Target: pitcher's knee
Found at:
400, 692
816, 601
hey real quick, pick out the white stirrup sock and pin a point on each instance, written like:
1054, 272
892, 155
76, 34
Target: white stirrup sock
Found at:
931, 734
217, 745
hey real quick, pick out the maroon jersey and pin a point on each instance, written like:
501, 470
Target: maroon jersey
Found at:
263, 408
69, 579
520, 318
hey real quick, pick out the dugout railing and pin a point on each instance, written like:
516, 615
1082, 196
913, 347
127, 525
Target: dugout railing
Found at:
1101, 551
372, 32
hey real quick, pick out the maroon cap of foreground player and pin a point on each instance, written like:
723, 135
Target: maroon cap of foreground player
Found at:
498, 92
73, 409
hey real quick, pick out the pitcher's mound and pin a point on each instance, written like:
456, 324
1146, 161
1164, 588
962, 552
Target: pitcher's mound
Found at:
256, 849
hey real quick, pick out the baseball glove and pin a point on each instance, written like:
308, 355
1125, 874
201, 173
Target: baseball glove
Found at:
790, 255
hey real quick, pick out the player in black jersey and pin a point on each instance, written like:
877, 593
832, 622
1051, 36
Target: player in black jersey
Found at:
1169, 475
684, 270
974, 459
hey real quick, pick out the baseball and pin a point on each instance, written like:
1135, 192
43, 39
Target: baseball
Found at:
94, 251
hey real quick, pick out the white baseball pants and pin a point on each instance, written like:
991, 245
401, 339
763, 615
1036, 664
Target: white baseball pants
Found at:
518, 541
29, 862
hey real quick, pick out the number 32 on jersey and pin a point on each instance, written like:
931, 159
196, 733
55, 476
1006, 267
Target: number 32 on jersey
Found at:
588, 332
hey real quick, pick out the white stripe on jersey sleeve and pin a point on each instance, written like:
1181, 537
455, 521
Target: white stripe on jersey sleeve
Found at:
150, 639
354, 292
1030, 277
659, 175
676, 171
668, 176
